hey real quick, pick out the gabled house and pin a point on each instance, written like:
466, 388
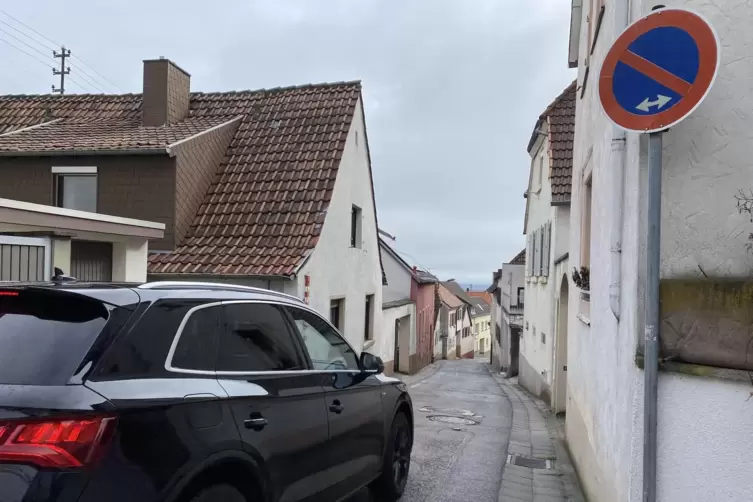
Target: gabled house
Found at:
508, 288
448, 326
269, 188
481, 320
542, 370
466, 340
408, 313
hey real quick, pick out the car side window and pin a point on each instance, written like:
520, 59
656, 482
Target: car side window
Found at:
256, 337
326, 348
197, 345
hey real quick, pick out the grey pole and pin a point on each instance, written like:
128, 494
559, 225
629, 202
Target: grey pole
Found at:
651, 342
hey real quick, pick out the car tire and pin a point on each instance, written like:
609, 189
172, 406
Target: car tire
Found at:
390, 485
216, 493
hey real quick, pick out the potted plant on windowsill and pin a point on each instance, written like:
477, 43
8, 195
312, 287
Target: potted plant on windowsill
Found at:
582, 279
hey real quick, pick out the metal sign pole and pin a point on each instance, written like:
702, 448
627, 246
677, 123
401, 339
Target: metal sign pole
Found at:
651, 342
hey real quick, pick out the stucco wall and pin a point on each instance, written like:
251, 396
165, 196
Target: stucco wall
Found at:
398, 278
424, 296
338, 270
705, 162
537, 342
384, 345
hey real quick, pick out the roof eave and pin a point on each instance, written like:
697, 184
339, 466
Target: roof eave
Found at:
65, 153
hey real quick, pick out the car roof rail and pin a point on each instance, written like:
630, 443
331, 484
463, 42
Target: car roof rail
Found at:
213, 286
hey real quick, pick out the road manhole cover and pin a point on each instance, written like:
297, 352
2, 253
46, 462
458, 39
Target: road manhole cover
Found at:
531, 463
449, 411
447, 419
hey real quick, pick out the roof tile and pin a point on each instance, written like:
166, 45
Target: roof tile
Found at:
265, 209
560, 116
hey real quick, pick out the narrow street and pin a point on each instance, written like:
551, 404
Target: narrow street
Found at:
463, 423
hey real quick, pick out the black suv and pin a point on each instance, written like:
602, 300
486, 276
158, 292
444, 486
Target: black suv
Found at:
189, 392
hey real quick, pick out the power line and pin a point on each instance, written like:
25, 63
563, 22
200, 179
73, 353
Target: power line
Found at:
30, 28
27, 53
91, 80
27, 45
95, 71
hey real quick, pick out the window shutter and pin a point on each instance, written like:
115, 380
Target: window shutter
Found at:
541, 250
529, 255
547, 246
537, 253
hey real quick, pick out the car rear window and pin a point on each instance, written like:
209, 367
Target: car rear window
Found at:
44, 335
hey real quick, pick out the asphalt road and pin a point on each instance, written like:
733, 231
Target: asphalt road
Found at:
462, 429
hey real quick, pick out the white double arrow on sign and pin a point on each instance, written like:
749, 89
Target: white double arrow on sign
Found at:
646, 105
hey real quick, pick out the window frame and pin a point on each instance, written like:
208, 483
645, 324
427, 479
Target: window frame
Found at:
59, 173
307, 367
299, 340
356, 227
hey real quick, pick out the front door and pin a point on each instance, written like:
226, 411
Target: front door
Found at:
278, 405
396, 359
353, 402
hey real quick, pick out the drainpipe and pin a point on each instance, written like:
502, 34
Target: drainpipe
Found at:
617, 177
619, 154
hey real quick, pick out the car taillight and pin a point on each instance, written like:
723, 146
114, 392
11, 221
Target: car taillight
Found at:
55, 443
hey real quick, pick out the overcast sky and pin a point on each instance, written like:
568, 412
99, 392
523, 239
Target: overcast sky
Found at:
452, 90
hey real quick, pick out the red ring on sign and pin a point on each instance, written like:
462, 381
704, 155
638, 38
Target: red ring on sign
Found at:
708, 61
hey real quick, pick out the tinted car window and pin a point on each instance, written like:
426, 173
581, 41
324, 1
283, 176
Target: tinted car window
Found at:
44, 335
197, 346
256, 338
142, 352
326, 348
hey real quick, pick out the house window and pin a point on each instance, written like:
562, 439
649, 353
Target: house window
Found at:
585, 231
368, 329
336, 312
355, 226
540, 171
521, 296
76, 188
543, 338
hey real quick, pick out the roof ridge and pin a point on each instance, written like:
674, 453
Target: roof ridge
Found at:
558, 99
342, 83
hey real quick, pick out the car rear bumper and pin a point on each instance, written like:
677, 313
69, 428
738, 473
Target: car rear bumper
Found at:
23, 483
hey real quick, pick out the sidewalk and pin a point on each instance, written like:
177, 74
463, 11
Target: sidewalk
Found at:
423, 374
538, 467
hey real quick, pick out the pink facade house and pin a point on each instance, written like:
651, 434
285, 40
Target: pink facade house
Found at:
408, 312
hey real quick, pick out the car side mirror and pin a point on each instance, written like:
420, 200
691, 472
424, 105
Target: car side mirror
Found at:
370, 362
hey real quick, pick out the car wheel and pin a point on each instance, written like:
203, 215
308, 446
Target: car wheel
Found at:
391, 484
224, 493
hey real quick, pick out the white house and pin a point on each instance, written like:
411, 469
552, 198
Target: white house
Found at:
705, 431
465, 339
508, 289
542, 368
303, 223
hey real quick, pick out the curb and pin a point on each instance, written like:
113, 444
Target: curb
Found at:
535, 435
425, 373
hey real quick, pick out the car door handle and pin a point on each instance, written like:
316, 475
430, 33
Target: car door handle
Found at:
255, 423
336, 407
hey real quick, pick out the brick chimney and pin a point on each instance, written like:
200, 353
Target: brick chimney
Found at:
167, 93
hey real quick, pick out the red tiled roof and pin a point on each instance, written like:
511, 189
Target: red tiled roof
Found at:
106, 135
448, 298
482, 294
520, 258
560, 117
17, 112
264, 211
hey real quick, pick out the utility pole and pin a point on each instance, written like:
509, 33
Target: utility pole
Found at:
63, 71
